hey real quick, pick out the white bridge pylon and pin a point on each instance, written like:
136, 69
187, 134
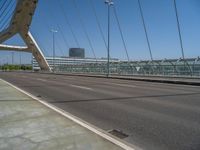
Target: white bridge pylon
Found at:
20, 24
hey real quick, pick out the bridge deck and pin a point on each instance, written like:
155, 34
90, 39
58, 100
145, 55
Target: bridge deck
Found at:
155, 116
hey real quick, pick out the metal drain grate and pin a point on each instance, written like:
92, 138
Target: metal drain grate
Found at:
118, 133
39, 96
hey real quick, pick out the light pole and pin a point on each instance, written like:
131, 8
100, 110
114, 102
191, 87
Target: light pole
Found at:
109, 3
53, 34
12, 53
20, 60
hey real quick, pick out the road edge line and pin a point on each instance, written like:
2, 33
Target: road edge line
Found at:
92, 128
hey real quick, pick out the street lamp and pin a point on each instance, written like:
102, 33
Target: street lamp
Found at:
12, 53
109, 3
53, 34
20, 61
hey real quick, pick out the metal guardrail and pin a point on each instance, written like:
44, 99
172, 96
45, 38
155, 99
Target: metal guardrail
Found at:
164, 70
174, 67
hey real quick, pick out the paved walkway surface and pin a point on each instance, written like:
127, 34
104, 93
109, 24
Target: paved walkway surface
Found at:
26, 124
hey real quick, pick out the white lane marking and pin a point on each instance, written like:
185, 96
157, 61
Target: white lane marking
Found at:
125, 85
96, 130
41, 79
81, 87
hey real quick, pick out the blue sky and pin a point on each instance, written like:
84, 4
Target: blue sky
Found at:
159, 16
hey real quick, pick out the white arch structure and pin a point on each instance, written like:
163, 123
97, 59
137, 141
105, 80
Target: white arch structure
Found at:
20, 24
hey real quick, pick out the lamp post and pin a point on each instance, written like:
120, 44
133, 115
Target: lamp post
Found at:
53, 34
20, 61
12, 53
109, 3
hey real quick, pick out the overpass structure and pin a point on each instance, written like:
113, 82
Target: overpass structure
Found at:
19, 24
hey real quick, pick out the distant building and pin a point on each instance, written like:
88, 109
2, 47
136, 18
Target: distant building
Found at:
64, 61
77, 52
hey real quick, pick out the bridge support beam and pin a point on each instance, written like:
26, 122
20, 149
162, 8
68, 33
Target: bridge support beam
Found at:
20, 23
36, 51
32, 47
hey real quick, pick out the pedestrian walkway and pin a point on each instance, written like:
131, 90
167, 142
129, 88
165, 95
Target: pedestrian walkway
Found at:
26, 124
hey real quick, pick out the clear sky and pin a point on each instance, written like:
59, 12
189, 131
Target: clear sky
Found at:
159, 17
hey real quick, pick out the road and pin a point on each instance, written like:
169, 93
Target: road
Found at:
155, 116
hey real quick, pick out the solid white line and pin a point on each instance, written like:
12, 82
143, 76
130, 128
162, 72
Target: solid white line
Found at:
81, 87
41, 79
125, 85
79, 121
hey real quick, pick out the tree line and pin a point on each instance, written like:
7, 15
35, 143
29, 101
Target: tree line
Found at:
8, 67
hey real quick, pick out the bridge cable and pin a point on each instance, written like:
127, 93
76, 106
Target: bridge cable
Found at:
60, 49
7, 16
63, 36
84, 29
3, 4
179, 29
145, 29
39, 43
68, 23
47, 26
58, 45
5, 8
98, 22
61, 33
180, 36
121, 33
4, 19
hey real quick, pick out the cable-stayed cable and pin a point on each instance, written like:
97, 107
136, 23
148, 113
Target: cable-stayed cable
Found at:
121, 33
5, 8
180, 36
43, 47
5, 23
39, 43
61, 32
64, 39
46, 25
3, 4
145, 30
60, 49
63, 36
68, 23
98, 22
83, 27
7, 16
2, 7
179, 29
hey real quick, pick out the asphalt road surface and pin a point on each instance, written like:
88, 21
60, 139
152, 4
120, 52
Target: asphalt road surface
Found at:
155, 116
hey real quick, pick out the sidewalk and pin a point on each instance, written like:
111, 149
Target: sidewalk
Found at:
26, 124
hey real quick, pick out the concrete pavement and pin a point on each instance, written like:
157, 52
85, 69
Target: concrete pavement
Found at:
155, 116
26, 124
